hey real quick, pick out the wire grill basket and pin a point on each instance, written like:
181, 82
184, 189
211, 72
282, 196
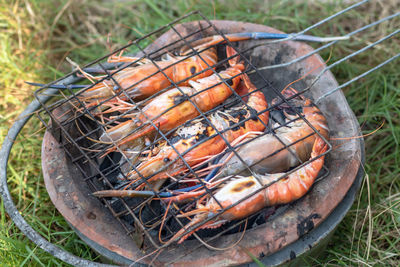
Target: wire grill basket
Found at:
78, 125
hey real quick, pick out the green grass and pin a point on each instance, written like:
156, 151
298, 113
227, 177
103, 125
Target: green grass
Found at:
35, 38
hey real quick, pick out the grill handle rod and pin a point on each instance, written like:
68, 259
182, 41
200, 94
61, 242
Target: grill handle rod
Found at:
241, 35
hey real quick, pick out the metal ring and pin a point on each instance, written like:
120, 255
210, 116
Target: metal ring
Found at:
9, 205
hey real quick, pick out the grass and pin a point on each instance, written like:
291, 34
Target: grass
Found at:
36, 36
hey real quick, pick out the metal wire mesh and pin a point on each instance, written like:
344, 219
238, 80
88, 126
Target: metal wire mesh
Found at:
77, 125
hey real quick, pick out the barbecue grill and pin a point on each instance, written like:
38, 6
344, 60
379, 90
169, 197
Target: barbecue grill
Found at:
73, 166
139, 221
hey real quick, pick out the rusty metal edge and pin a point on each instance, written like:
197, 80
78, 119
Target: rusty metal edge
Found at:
72, 198
109, 254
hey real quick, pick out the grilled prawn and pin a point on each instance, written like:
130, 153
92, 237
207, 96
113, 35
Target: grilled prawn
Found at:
261, 153
140, 82
236, 192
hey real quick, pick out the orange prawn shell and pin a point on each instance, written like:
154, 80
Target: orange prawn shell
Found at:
188, 68
181, 111
212, 91
155, 79
296, 184
101, 90
318, 121
245, 115
243, 209
198, 153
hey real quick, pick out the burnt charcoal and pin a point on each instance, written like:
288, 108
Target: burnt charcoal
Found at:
110, 167
119, 207
277, 116
174, 225
60, 115
128, 219
151, 212
154, 233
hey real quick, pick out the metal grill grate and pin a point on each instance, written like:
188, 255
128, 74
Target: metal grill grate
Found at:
75, 125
